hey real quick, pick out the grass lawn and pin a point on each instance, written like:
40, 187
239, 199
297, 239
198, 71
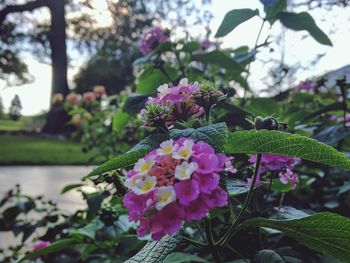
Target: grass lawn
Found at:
23, 123
28, 150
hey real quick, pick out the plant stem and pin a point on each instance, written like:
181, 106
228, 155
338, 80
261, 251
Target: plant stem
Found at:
213, 248
194, 242
248, 198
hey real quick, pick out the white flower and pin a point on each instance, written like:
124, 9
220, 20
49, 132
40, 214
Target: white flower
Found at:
185, 170
141, 184
143, 166
184, 152
166, 147
163, 89
164, 196
183, 82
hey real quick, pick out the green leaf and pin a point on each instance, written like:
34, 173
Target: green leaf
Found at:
278, 187
214, 134
179, 257
191, 46
273, 11
120, 119
303, 21
219, 58
268, 256
236, 187
283, 143
150, 142
134, 103
151, 78
54, 247
121, 161
70, 187
88, 231
327, 233
233, 19
264, 107
156, 251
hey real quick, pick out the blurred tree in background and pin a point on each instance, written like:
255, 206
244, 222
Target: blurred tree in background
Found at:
15, 108
24, 29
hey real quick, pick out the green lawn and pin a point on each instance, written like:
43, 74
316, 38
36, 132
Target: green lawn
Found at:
31, 150
23, 123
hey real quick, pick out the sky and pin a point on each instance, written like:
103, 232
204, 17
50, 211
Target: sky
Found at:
35, 96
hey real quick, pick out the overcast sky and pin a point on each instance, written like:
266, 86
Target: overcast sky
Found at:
35, 96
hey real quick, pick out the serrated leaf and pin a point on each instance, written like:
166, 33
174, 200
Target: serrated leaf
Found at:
283, 143
150, 142
70, 187
179, 257
121, 161
54, 247
156, 251
236, 186
221, 59
214, 134
327, 233
303, 21
134, 103
233, 19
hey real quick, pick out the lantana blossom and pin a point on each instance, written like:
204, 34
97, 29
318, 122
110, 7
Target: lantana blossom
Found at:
277, 163
172, 104
151, 39
174, 184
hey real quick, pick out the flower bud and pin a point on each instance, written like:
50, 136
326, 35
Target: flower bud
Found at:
155, 115
207, 95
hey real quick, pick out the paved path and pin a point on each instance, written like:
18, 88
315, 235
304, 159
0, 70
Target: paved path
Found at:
43, 180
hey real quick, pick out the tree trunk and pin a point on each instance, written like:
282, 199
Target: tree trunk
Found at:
57, 118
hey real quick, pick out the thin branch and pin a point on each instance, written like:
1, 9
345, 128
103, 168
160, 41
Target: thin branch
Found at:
30, 6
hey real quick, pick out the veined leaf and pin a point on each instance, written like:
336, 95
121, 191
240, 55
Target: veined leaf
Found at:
327, 233
152, 141
214, 134
179, 257
233, 19
282, 143
156, 251
303, 21
121, 161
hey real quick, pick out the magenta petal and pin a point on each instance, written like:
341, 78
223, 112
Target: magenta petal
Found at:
196, 210
186, 191
207, 182
207, 163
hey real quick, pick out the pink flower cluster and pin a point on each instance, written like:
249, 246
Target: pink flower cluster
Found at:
307, 86
282, 164
152, 39
175, 183
178, 101
341, 119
